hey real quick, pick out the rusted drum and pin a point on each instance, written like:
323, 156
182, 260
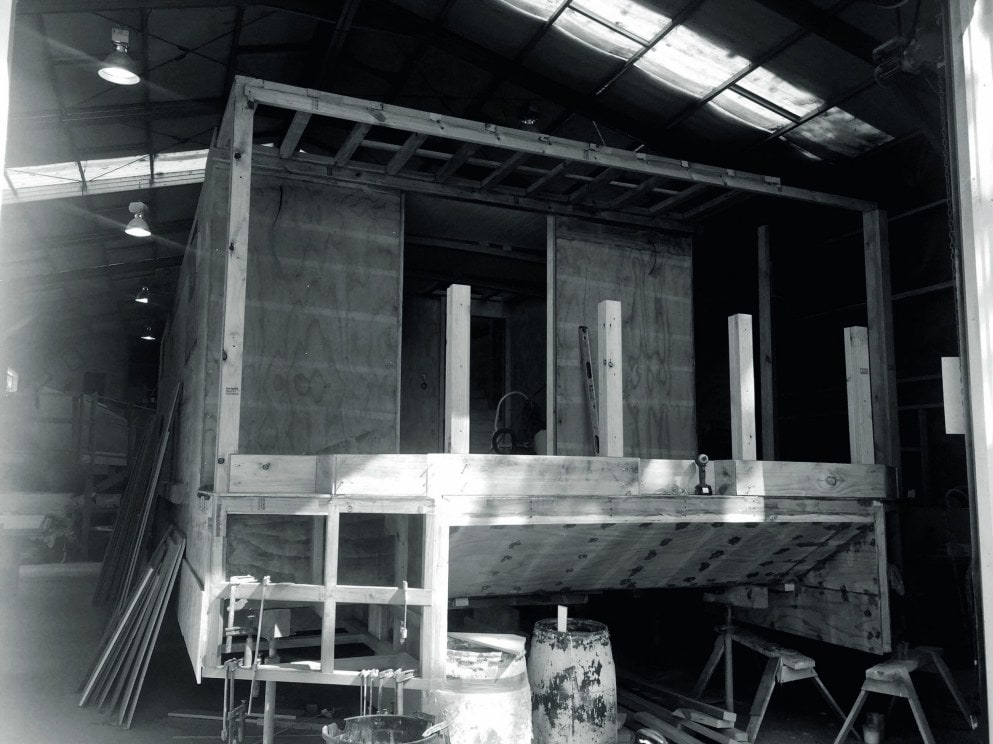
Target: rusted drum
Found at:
573, 683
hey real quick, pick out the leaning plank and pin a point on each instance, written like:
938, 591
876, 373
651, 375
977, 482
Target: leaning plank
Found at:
107, 649
173, 563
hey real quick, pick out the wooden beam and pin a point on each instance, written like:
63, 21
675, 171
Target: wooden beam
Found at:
504, 170
457, 370
405, 153
550, 176
742, 365
235, 277
858, 383
293, 133
364, 175
351, 144
611, 384
882, 356
458, 159
972, 79
766, 381
464, 130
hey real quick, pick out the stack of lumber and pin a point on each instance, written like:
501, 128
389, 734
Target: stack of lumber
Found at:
115, 680
117, 573
660, 714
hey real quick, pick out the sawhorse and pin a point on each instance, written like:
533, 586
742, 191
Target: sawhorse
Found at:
893, 678
784, 665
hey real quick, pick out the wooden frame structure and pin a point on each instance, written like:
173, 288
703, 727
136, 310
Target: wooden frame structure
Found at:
817, 510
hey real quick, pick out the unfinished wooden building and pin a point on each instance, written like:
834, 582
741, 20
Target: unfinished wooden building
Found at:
465, 310
326, 436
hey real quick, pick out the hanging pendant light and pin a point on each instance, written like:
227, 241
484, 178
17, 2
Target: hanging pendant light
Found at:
137, 226
148, 335
118, 67
142, 296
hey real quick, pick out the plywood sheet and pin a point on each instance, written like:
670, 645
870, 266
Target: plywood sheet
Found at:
651, 275
518, 559
849, 619
422, 375
322, 323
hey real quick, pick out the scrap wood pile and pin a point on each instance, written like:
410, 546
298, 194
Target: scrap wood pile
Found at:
658, 714
118, 673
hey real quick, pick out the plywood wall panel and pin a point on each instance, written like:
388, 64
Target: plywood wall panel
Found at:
651, 275
422, 375
322, 323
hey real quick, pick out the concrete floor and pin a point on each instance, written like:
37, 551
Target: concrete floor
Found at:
50, 634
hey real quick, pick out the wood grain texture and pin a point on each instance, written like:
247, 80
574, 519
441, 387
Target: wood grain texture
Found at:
804, 479
521, 559
651, 275
848, 619
322, 320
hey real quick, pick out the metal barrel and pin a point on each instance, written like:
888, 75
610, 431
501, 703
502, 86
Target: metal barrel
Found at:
573, 683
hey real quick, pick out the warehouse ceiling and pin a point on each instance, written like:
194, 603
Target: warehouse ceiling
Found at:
794, 88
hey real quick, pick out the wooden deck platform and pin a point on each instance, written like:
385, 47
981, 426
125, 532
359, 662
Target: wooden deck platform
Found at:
490, 525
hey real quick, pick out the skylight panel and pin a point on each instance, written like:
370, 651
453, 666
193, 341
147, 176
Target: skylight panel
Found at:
631, 17
542, 9
51, 174
784, 94
596, 34
839, 131
180, 162
131, 165
689, 62
748, 111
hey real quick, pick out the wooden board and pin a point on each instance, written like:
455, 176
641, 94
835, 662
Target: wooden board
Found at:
322, 324
802, 479
651, 275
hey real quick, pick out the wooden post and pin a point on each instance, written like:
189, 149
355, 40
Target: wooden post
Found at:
329, 619
859, 384
886, 432
611, 382
742, 365
551, 337
434, 628
766, 394
457, 370
971, 52
235, 276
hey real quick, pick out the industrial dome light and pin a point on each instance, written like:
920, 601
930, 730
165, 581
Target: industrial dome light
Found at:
118, 67
137, 226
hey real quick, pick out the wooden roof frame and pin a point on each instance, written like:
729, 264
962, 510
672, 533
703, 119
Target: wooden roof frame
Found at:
622, 171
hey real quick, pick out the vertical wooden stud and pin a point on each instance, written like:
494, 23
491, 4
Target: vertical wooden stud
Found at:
742, 365
881, 352
235, 276
551, 337
330, 619
859, 385
766, 380
457, 370
611, 400
971, 62
434, 628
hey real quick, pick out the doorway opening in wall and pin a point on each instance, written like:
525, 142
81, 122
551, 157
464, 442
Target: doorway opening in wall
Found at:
500, 254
